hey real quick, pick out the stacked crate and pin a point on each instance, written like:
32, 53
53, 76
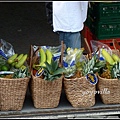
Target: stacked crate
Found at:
103, 22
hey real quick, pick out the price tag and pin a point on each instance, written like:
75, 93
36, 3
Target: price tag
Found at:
39, 72
92, 78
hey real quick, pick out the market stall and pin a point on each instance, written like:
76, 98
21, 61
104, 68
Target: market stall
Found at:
74, 96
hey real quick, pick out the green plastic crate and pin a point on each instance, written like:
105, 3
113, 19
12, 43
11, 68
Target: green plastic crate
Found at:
90, 22
90, 19
107, 30
105, 10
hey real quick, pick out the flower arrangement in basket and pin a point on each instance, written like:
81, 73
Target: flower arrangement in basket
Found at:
47, 75
80, 77
14, 79
109, 77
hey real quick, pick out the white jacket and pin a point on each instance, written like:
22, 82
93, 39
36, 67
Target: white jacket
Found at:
69, 16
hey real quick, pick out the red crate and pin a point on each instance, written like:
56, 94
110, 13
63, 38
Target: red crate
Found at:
86, 33
109, 42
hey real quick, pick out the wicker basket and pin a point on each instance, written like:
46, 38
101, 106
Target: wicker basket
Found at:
110, 90
45, 94
79, 92
12, 93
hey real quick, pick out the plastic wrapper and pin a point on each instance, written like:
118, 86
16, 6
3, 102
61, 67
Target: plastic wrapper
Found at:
96, 44
6, 49
56, 50
70, 61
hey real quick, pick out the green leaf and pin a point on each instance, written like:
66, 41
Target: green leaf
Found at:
54, 77
46, 78
48, 67
100, 63
58, 76
59, 71
52, 71
46, 71
49, 76
54, 65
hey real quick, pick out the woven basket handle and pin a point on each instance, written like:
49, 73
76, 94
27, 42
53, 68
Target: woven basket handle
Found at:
30, 55
86, 42
62, 53
88, 47
116, 45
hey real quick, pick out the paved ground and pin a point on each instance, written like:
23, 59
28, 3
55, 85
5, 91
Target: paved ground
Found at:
24, 24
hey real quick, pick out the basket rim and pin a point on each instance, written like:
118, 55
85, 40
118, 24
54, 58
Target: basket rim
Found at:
77, 79
32, 76
107, 79
74, 78
14, 78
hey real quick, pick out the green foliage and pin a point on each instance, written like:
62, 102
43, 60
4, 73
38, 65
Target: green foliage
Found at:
115, 71
52, 71
19, 73
93, 65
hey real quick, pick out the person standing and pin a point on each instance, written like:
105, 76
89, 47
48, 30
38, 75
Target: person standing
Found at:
68, 21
